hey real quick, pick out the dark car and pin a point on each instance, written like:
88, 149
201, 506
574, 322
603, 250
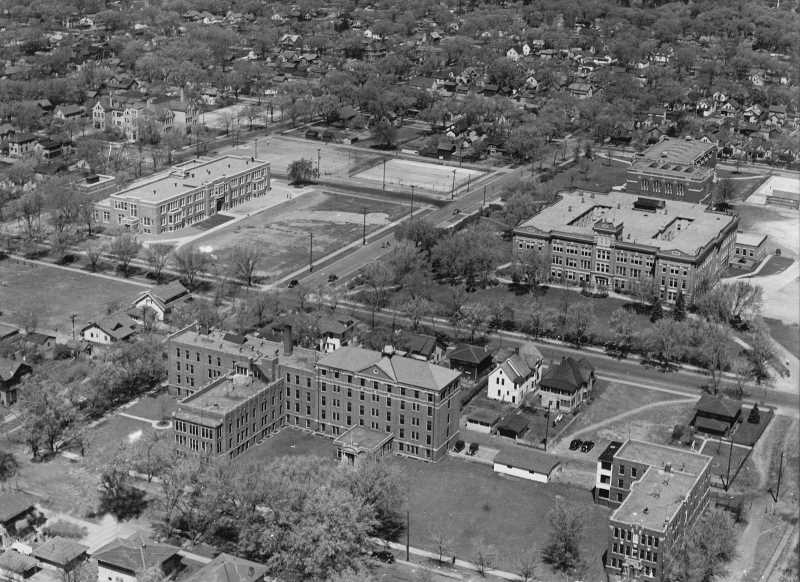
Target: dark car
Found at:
332, 278
575, 445
293, 283
587, 446
384, 556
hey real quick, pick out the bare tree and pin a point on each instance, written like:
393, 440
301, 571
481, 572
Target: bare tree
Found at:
526, 566
124, 248
190, 262
93, 254
157, 256
244, 261
440, 534
715, 351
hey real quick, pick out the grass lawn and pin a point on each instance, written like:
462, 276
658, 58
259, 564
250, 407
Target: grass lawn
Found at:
788, 335
611, 399
743, 185
748, 433
743, 472
154, 406
775, 264
506, 516
290, 442
598, 176
54, 294
654, 425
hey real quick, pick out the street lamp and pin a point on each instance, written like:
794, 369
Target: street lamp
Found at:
453, 187
319, 157
364, 235
310, 252
384, 174
412, 200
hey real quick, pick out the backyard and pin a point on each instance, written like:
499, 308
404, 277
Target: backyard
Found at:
506, 517
743, 473
51, 295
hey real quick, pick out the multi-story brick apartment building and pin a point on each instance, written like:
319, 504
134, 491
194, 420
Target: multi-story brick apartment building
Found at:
414, 401
658, 492
185, 194
616, 241
675, 169
131, 115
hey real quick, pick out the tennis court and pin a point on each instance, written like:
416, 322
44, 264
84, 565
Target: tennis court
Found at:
432, 177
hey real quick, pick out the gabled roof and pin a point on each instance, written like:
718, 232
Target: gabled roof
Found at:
416, 343
515, 423
516, 369
402, 370
570, 375
119, 326
719, 406
135, 553
9, 368
60, 551
13, 561
164, 294
228, 568
38, 338
14, 504
470, 354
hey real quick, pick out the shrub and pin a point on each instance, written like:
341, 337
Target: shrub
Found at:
459, 446
64, 529
473, 448
678, 432
755, 416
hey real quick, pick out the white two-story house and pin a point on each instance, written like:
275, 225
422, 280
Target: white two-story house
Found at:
516, 376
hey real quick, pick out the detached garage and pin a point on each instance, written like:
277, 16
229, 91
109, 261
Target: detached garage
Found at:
525, 464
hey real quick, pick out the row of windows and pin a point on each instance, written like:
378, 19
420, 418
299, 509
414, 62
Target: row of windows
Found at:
648, 570
628, 550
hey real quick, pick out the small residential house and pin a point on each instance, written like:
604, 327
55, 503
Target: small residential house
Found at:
513, 426
161, 299
420, 347
44, 343
17, 567
335, 333
716, 415
472, 361
61, 555
110, 330
11, 374
580, 90
18, 516
749, 249
69, 112
21, 145
566, 385
8, 332
125, 559
228, 568
482, 420
525, 463
516, 376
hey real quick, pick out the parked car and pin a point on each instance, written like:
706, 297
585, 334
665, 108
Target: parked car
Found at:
332, 278
473, 448
384, 556
293, 283
459, 446
587, 446
575, 445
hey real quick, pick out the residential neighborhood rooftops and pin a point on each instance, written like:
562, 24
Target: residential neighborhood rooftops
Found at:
470, 354
8, 368
719, 406
38, 338
135, 553
166, 293
526, 458
399, 369
228, 568
60, 551
654, 455
654, 499
484, 416
680, 226
19, 564
568, 376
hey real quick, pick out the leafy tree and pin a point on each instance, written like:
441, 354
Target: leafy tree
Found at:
701, 554
580, 320
28, 208
665, 339
473, 316
302, 171
656, 310
377, 277
190, 262
562, 551
117, 495
385, 133
442, 538
47, 415
157, 256
519, 206
645, 290
8, 466
622, 325
124, 249
761, 352
381, 487
244, 262
679, 309
723, 191
755, 416
715, 351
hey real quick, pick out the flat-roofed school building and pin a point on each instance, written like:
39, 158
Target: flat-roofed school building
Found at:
186, 194
616, 240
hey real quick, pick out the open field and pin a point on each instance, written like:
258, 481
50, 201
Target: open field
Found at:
653, 425
334, 221
55, 294
427, 176
597, 174
290, 442
505, 516
154, 406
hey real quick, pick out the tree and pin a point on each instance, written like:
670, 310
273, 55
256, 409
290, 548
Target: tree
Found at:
157, 256
244, 261
723, 191
562, 551
59, 245
665, 339
381, 487
28, 208
377, 277
580, 320
117, 495
484, 557
152, 455
715, 351
679, 309
8, 466
302, 171
645, 290
442, 538
190, 262
473, 316
535, 266
93, 254
422, 233
656, 310
124, 249
701, 553
526, 566
519, 206
622, 325
385, 133
761, 352
416, 308
742, 371
47, 415
744, 300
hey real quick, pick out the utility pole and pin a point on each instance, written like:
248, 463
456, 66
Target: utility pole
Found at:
546, 427
412, 200
364, 234
384, 174
730, 455
255, 148
310, 252
72, 317
484, 199
408, 535
453, 187
319, 157
780, 474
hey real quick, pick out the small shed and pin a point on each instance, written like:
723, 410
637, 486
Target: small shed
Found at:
482, 420
526, 464
513, 426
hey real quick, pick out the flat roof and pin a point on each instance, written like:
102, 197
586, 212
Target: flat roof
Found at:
678, 151
654, 499
362, 437
752, 239
224, 394
525, 458
670, 168
186, 177
698, 225
682, 461
217, 340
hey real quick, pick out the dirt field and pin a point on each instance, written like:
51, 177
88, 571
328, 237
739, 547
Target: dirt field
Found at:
334, 221
433, 177
55, 294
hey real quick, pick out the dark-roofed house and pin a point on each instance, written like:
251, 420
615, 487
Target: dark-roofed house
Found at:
11, 374
565, 386
61, 555
126, 559
15, 566
716, 415
18, 514
513, 426
420, 347
472, 361
334, 333
43, 342
525, 463
8, 332
228, 568
161, 299
21, 145
110, 330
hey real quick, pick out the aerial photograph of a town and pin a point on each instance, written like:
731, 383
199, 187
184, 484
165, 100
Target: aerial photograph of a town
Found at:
399, 291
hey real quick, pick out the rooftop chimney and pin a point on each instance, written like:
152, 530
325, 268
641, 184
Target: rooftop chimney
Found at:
288, 341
